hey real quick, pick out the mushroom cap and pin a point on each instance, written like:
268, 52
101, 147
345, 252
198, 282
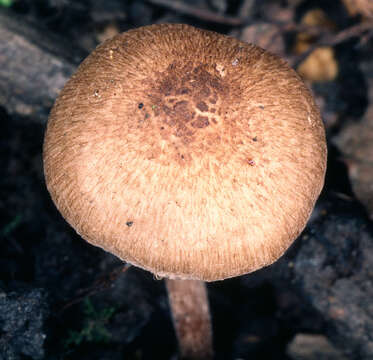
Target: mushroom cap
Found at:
185, 152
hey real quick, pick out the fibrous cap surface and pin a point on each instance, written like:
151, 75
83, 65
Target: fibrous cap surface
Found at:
185, 152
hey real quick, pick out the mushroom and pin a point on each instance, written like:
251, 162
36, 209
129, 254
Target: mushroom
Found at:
189, 154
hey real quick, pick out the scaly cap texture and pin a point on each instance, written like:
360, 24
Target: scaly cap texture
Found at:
185, 152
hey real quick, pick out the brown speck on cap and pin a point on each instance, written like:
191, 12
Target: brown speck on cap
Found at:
234, 218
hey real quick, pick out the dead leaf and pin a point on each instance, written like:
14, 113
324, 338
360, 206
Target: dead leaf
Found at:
109, 31
356, 145
359, 7
320, 65
267, 36
314, 17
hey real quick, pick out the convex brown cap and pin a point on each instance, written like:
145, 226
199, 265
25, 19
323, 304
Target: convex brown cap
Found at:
185, 152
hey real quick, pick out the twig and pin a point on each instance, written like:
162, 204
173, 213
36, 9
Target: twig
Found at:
246, 9
203, 14
99, 285
332, 40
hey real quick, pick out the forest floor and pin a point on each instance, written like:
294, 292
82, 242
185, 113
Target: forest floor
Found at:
61, 298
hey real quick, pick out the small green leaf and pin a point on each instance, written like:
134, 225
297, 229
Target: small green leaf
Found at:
6, 3
7, 229
94, 326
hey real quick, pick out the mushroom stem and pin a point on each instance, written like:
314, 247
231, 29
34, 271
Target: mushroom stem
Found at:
191, 318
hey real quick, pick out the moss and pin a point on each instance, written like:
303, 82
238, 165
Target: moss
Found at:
94, 326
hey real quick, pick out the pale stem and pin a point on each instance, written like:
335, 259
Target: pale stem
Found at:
191, 317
